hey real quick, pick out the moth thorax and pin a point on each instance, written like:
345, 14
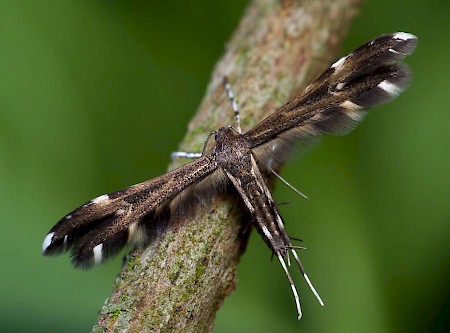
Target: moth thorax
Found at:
231, 146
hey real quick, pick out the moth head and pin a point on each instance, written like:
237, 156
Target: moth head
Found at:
222, 136
230, 144
227, 137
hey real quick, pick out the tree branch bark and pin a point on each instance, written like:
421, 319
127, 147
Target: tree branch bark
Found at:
178, 284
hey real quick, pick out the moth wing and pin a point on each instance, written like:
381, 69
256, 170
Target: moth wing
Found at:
337, 100
103, 226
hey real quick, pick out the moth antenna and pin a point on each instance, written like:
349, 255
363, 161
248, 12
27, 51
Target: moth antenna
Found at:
287, 183
207, 140
233, 102
294, 290
305, 276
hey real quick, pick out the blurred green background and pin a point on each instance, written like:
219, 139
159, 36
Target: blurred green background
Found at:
94, 95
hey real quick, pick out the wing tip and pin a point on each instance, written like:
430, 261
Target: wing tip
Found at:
47, 243
404, 36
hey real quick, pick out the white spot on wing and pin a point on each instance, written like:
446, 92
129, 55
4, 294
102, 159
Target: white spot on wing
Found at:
120, 211
273, 148
98, 254
47, 241
132, 230
100, 199
279, 221
340, 85
349, 105
355, 115
68, 217
266, 232
338, 64
393, 51
404, 36
389, 87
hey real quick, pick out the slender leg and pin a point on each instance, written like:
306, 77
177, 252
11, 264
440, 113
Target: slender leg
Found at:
308, 281
294, 290
286, 183
176, 154
185, 154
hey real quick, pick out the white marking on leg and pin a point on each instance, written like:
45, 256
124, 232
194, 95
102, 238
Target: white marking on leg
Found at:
47, 241
404, 36
299, 310
308, 281
185, 154
98, 254
313, 289
349, 105
389, 87
101, 198
294, 290
338, 64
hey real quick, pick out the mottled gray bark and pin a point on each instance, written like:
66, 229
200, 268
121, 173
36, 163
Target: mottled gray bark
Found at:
179, 284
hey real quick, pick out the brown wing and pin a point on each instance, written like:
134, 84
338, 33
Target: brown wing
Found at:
101, 227
336, 101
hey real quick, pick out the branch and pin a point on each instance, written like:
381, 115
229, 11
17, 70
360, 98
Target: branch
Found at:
179, 283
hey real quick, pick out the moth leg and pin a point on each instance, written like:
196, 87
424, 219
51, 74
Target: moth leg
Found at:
291, 281
287, 183
185, 154
232, 98
308, 281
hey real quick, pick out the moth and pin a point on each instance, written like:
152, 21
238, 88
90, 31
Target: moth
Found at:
334, 103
